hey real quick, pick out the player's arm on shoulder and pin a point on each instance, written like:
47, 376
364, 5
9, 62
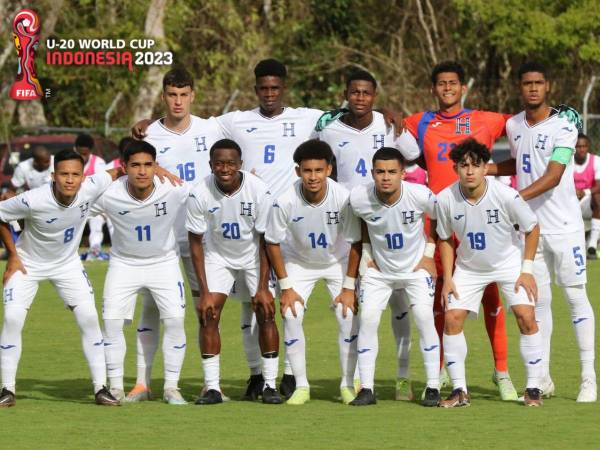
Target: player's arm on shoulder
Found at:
507, 167
408, 146
138, 130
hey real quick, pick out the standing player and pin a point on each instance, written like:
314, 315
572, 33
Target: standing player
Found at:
415, 174
394, 214
229, 208
587, 188
55, 216
305, 244
542, 144
482, 213
144, 255
437, 132
354, 137
33, 172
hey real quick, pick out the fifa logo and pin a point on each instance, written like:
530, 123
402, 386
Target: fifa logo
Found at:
26, 35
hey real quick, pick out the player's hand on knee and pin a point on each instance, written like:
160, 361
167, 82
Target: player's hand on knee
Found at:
13, 265
138, 131
263, 303
207, 309
427, 264
288, 299
448, 289
527, 282
347, 298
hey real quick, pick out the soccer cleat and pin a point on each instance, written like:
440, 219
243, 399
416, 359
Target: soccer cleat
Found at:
444, 378
256, 384
431, 397
223, 396
508, 393
173, 397
105, 398
357, 386
210, 397
547, 387
7, 398
300, 396
591, 253
348, 394
119, 394
139, 393
532, 397
458, 397
270, 396
364, 397
404, 390
287, 385
588, 392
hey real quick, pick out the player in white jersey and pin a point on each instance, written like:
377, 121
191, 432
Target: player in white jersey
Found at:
33, 172
355, 137
542, 144
144, 255
394, 213
305, 244
228, 210
54, 216
482, 213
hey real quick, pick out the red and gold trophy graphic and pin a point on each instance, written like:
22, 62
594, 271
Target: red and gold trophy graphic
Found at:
26, 33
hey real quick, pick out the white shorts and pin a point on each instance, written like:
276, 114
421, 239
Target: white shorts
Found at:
163, 281
376, 289
222, 279
470, 286
561, 254
239, 289
70, 281
304, 278
586, 206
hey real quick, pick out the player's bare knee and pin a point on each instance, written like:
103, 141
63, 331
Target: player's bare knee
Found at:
525, 316
454, 320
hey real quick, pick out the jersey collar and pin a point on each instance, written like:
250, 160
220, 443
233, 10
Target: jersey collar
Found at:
59, 203
137, 199
285, 108
460, 113
313, 205
385, 204
487, 185
233, 194
164, 127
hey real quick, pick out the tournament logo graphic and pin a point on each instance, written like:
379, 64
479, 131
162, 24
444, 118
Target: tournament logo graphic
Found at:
26, 35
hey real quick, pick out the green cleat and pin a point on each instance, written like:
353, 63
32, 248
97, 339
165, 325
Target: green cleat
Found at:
300, 396
404, 390
172, 396
348, 394
508, 393
357, 385
444, 378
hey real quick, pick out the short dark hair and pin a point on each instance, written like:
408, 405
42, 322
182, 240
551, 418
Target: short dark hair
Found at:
361, 75
84, 140
270, 68
225, 144
178, 77
67, 155
313, 149
124, 143
136, 147
531, 66
40, 150
584, 136
472, 149
387, 154
448, 67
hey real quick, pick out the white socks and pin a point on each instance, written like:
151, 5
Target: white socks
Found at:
91, 340
429, 343
270, 367
543, 317
147, 336
582, 316
174, 343
368, 346
211, 368
532, 351
11, 345
594, 234
347, 342
114, 350
249, 328
400, 321
455, 353
295, 344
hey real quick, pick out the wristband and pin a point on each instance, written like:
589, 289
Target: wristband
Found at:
285, 283
349, 283
587, 192
429, 250
527, 266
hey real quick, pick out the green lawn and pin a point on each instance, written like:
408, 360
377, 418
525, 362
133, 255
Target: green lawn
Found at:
55, 407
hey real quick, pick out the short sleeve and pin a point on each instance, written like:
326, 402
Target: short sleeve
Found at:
431, 206
99, 183
16, 208
444, 225
195, 220
225, 123
351, 227
411, 124
264, 202
519, 211
277, 223
496, 123
566, 136
18, 179
407, 144
98, 207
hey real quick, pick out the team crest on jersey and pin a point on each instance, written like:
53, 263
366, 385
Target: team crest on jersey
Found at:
288, 129
161, 209
378, 141
493, 216
246, 209
200, 142
333, 217
540, 143
408, 217
462, 125
84, 208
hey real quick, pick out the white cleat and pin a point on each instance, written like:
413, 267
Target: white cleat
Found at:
547, 387
119, 394
173, 397
588, 392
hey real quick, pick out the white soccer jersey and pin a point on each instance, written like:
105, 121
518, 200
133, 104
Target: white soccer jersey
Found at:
354, 149
557, 209
185, 154
268, 143
52, 231
143, 229
311, 234
232, 224
396, 231
488, 239
26, 174
114, 164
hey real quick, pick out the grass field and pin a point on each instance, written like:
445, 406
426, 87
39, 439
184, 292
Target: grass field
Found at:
55, 407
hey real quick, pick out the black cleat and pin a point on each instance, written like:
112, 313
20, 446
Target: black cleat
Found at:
105, 398
7, 398
270, 396
210, 397
591, 253
287, 385
254, 389
431, 397
364, 397
532, 397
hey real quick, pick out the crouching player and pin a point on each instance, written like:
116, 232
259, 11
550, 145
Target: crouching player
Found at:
305, 244
394, 213
482, 213
229, 208
143, 256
